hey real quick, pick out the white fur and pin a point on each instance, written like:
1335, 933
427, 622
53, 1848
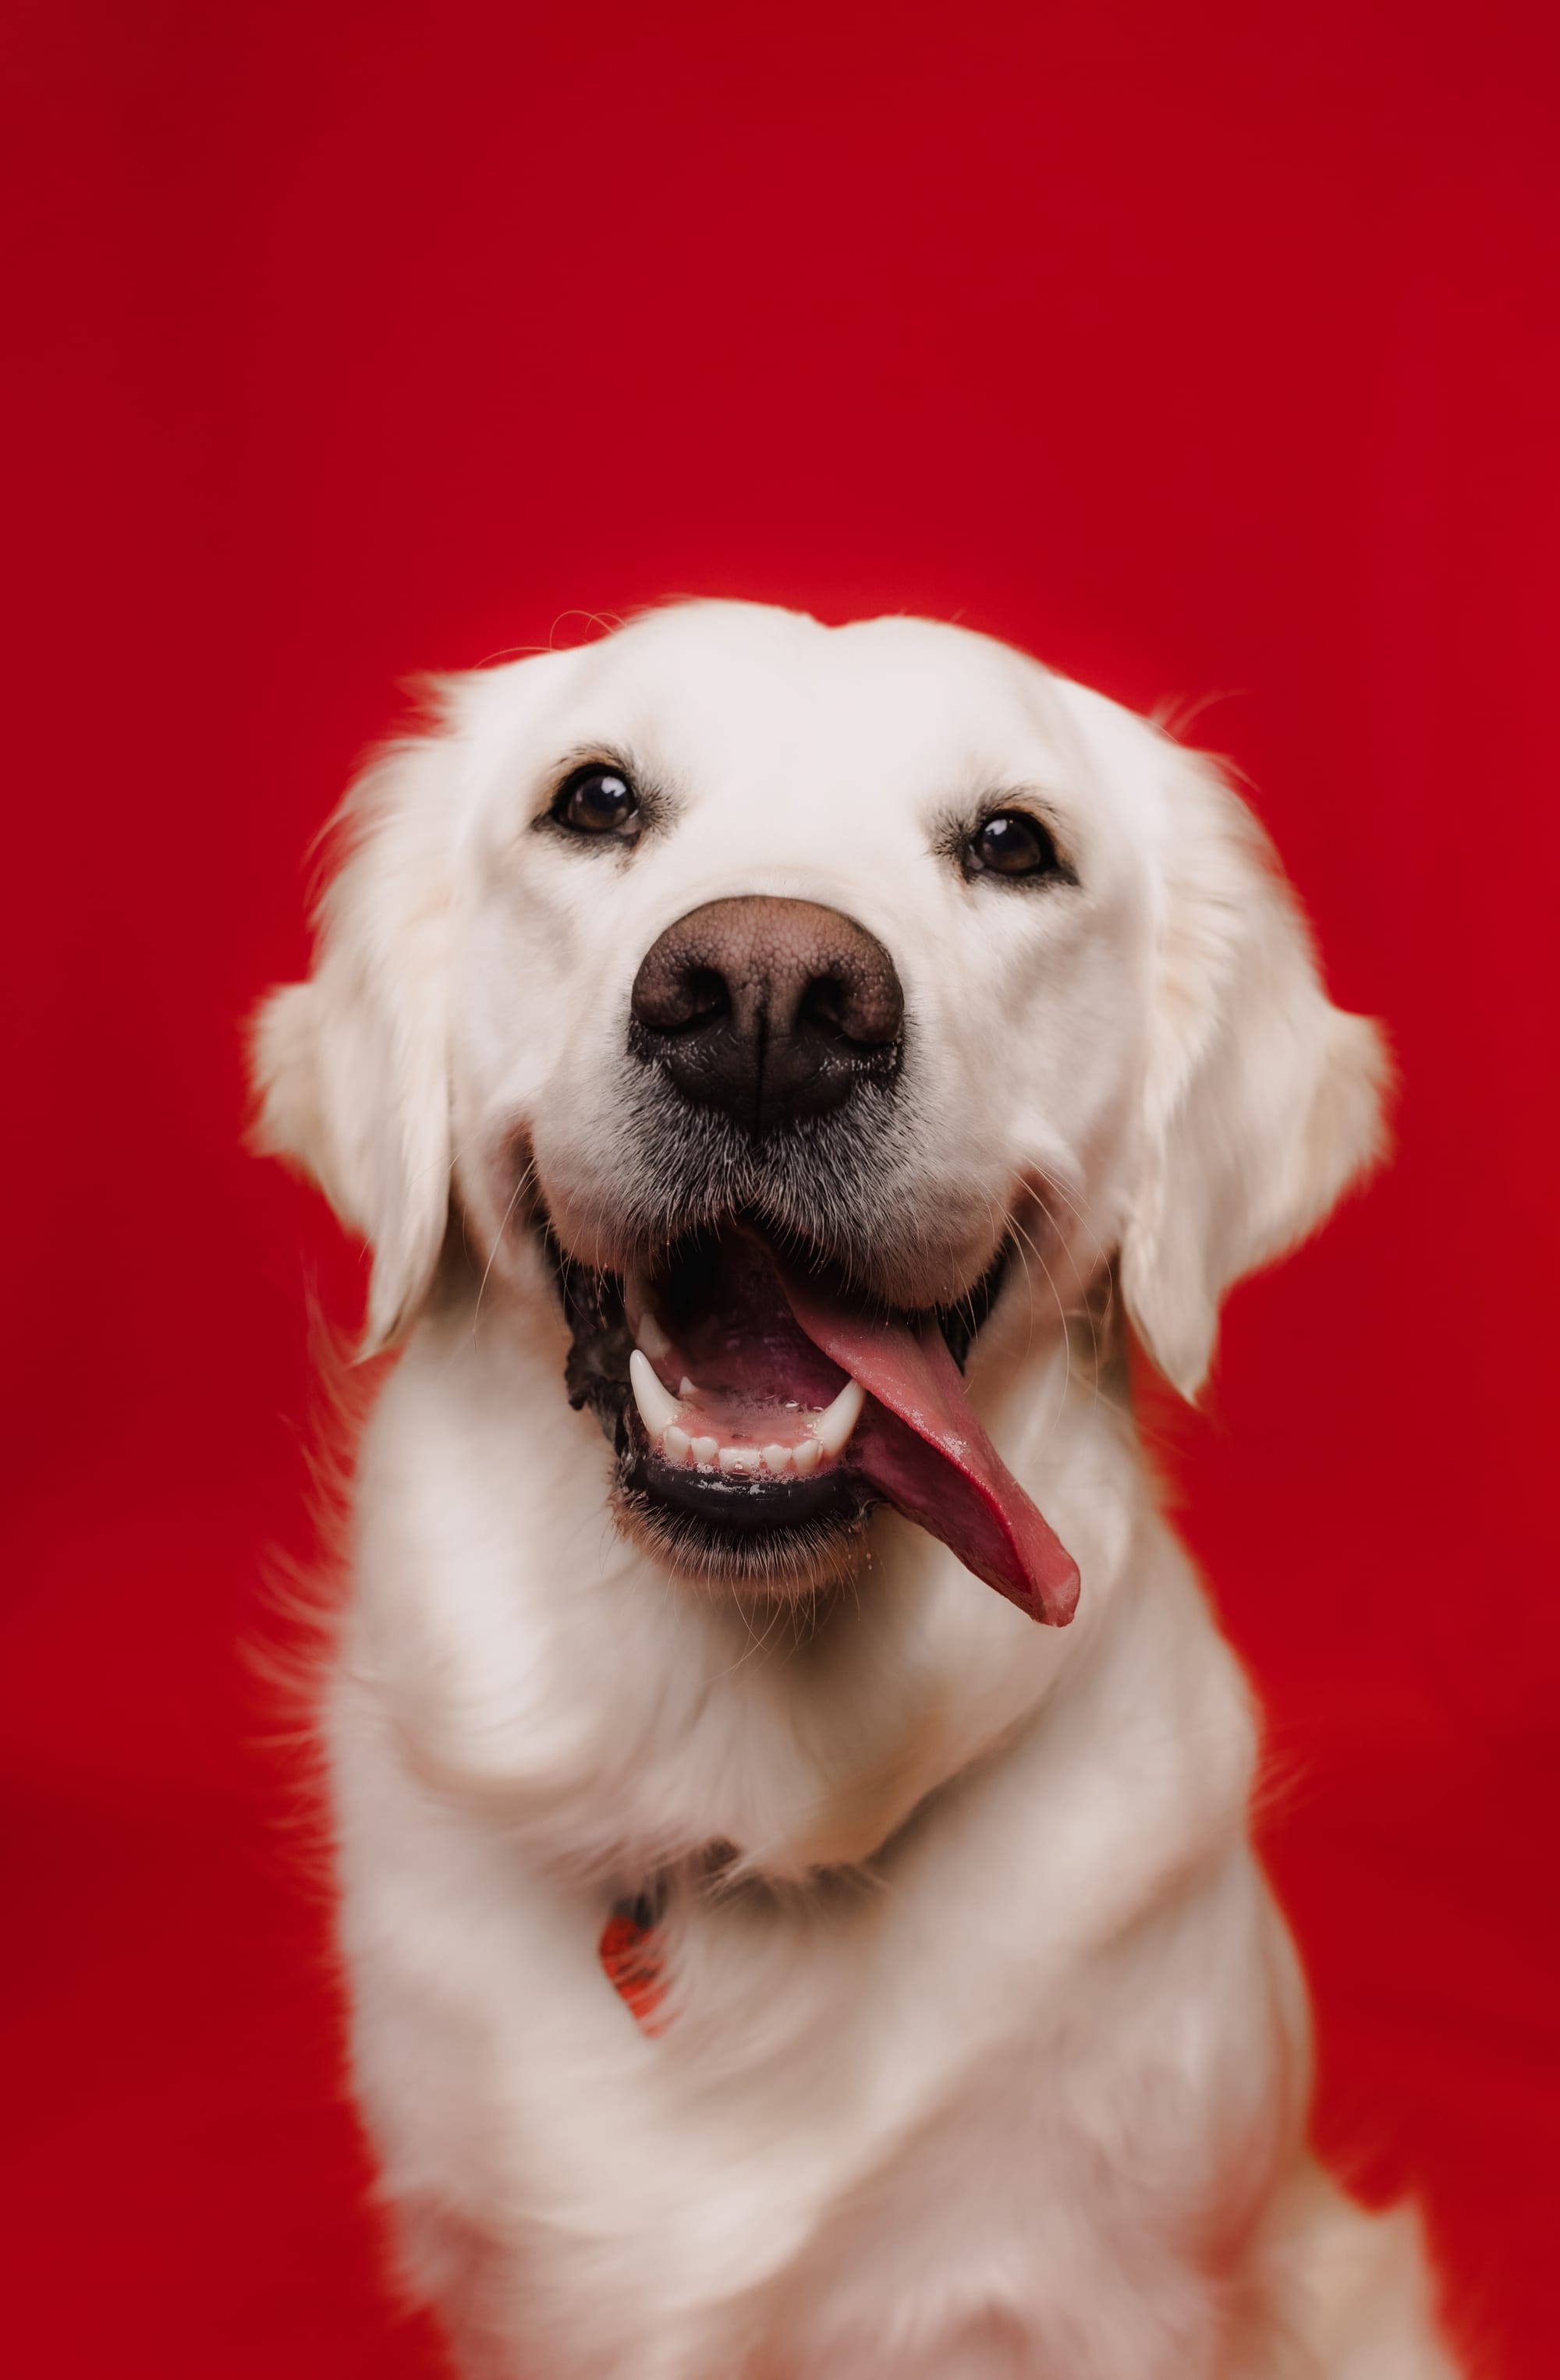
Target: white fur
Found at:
992, 2059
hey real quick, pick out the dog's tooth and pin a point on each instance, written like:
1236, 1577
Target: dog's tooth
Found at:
706, 1452
834, 1425
740, 1458
778, 1459
676, 1444
651, 1337
686, 1386
807, 1456
658, 1407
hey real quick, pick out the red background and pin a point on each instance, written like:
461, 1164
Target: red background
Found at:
1206, 351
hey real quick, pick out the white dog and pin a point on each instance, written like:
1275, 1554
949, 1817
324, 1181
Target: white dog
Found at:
791, 1052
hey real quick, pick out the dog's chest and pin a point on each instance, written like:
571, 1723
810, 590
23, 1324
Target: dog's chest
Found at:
844, 2123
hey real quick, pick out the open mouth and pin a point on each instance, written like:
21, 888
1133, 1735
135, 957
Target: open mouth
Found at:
760, 1407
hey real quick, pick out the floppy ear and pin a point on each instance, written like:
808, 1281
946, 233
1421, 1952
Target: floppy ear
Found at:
351, 1068
1261, 1100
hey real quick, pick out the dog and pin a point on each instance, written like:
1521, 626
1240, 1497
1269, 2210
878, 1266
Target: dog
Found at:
789, 1792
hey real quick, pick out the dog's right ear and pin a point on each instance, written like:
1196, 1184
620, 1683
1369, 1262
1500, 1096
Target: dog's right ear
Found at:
351, 1068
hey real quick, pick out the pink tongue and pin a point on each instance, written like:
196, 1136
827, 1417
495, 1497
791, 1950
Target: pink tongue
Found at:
921, 1445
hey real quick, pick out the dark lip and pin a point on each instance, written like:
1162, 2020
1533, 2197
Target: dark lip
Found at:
742, 1503
762, 1517
795, 1539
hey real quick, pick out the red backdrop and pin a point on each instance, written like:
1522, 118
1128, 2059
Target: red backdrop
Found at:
1206, 351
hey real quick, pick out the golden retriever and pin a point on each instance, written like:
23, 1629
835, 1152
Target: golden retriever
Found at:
771, 1065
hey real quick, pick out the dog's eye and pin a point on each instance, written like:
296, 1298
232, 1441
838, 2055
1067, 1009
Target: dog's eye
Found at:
1012, 843
596, 800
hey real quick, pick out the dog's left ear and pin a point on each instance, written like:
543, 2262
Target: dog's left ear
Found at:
351, 1068
1262, 1101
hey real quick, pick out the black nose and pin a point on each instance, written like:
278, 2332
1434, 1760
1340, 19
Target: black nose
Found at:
771, 1010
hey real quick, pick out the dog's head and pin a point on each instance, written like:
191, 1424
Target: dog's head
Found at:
778, 982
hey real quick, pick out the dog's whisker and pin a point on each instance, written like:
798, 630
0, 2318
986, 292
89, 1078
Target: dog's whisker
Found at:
522, 1185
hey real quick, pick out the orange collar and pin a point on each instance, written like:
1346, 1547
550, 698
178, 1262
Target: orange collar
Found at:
632, 1961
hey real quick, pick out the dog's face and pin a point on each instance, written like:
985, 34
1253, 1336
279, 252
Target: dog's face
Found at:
789, 983
943, 993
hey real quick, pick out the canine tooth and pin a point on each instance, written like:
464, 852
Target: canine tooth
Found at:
706, 1452
740, 1458
651, 1337
658, 1407
676, 1444
778, 1459
834, 1425
807, 1456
